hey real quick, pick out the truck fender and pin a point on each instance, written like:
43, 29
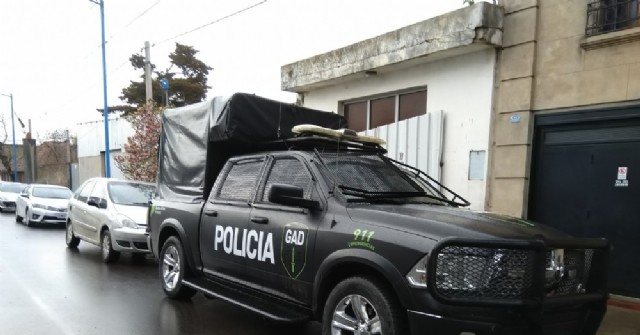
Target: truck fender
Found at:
366, 258
177, 226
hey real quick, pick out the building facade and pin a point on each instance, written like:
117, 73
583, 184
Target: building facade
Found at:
566, 139
536, 107
427, 89
91, 147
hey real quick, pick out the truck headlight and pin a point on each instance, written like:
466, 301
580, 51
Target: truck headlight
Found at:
125, 221
417, 277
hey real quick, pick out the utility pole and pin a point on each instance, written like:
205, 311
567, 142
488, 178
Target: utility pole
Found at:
13, 131
147, 71
107, 158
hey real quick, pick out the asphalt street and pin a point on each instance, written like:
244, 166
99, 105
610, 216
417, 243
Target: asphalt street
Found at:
46, 288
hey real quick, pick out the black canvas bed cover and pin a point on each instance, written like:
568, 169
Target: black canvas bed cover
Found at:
197, 139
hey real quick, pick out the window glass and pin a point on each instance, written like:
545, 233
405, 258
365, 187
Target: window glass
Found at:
356, 115
86, 191
51, 192
130, 194
382, 112
12, 187
241, 180
288, 171
412, 105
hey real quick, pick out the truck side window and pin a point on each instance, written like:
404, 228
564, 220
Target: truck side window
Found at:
288, 171
241, 180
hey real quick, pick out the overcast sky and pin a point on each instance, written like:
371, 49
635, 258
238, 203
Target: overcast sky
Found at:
50, 57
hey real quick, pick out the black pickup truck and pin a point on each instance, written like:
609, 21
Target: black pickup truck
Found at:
327, 228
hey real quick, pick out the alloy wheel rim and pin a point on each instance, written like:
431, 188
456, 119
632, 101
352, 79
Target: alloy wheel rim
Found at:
355, 315
171, 267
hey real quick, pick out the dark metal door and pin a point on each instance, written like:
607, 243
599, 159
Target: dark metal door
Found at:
586, 182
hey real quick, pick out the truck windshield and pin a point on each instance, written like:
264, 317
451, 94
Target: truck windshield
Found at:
366, 176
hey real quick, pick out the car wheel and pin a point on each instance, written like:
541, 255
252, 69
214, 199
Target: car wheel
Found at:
360, 305
27, 218
173, 268
18, 217
72, 240
108, 254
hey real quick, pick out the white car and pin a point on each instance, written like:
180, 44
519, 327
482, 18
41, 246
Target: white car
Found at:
112, 214
40, 203
9, 192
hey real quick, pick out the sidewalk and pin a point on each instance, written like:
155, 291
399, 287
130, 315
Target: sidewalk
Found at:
620, 321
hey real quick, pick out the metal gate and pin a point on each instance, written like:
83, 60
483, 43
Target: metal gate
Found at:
586, 182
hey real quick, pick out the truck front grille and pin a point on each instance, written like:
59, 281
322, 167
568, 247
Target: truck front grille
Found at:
514, 272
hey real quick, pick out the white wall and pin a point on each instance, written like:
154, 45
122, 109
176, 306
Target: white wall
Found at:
91, 144
461, 86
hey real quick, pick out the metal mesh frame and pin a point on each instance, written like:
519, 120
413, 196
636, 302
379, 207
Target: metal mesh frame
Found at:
504, 272
288, 171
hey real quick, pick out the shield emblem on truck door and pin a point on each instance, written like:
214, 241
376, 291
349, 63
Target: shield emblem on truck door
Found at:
293, 248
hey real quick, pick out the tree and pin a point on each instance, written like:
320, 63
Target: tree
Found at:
139, 161
187, 76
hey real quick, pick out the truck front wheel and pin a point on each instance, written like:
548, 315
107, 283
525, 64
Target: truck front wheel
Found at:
172, 270
361, 305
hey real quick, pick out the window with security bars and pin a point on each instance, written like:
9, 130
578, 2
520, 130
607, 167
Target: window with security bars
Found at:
241, 180
288, 171
605, 16
381, 111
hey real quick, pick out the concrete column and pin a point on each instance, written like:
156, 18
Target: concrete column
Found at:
512, 119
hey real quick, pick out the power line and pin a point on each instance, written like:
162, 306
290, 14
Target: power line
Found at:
132, 21
210, 23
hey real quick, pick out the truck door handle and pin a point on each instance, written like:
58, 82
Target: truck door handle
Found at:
210, 212
260, 220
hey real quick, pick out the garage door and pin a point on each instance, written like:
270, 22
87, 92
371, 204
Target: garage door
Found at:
586, 181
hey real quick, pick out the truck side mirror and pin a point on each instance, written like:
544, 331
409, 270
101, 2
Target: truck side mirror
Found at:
290, 195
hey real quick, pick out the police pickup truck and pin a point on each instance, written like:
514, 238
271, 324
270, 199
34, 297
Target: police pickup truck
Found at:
318, 224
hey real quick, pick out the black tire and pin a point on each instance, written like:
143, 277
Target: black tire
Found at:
378, 301
71, 239
173, 269
18, 217
108, 254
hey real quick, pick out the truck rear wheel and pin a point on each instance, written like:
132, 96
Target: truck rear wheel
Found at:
173, 268
361, 305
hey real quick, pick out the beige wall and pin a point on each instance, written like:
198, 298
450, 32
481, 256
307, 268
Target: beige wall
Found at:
548, 63
57, 174
568, 74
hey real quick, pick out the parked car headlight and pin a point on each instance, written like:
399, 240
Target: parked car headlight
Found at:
41, 206
125, 221
417, 277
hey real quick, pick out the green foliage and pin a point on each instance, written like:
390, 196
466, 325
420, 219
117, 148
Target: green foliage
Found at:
187, 76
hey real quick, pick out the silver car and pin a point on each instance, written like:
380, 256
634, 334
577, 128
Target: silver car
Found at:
111, 214
43, 204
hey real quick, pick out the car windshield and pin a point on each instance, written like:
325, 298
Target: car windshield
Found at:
51, 192
12, 187
368, 177
131, 194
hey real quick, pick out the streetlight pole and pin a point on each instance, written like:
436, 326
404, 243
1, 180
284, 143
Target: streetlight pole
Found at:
107, 159
13, 131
